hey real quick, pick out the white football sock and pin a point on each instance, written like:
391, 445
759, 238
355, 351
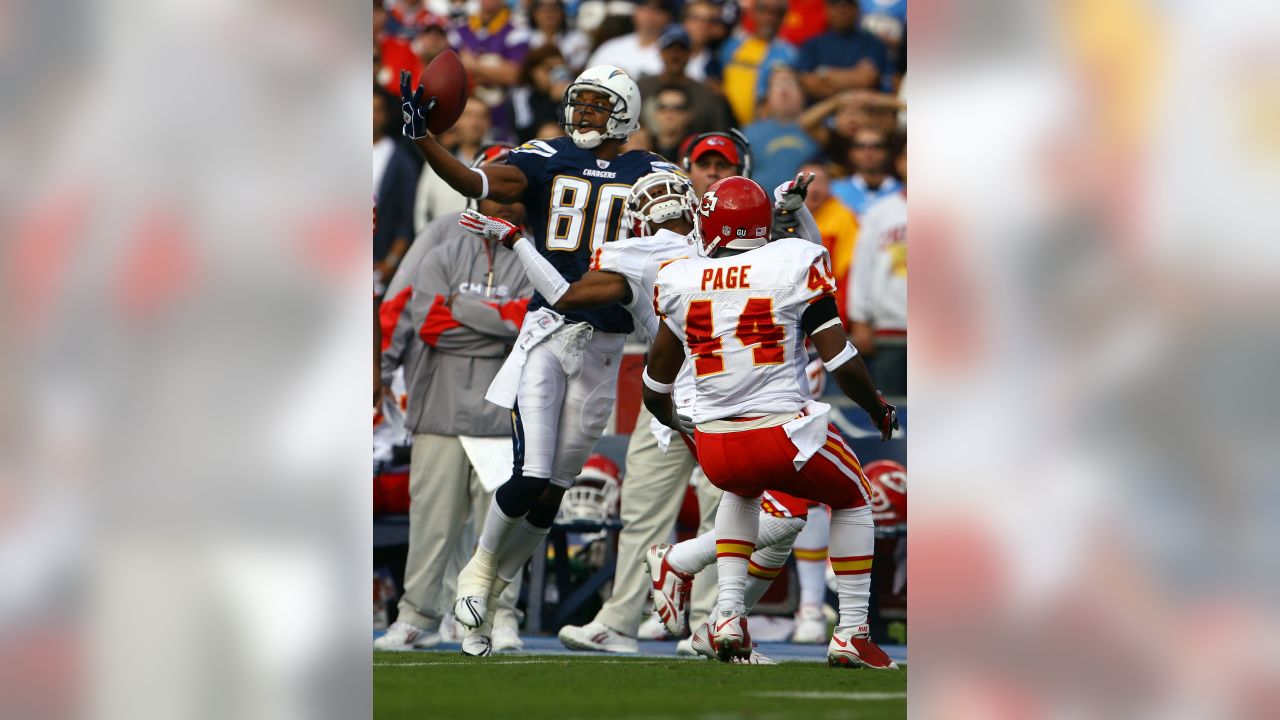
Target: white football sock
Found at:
853, 543
737, 527
497, 528
521, 544
694, 554
811, 557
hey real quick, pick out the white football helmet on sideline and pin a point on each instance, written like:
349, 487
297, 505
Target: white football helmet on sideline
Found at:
624, 117
594, 495
659, 197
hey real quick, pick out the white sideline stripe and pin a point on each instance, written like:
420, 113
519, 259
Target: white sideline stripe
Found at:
532, 662
818, 695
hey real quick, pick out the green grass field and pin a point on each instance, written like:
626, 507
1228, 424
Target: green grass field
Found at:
439, 685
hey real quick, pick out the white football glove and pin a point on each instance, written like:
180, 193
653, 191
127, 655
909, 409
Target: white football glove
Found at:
490, 228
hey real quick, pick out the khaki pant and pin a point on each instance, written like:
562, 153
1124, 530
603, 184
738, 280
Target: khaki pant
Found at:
447, 508
652, 492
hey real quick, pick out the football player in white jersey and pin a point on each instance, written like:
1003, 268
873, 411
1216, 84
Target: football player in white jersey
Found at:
740, 311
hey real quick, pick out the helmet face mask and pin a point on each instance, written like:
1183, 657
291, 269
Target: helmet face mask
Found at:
623, 117
660, 197
595, 493
735, 214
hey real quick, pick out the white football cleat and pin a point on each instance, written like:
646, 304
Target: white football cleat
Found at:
684, 648
477, 642
811, 625
651, 629
403, 636
730, 637
597, 636
451, 631
475, 583
851, 647
506, 634
700, 644
670, 589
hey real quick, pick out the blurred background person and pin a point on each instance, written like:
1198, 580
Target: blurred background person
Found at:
637, 52
699, 19
871, 180
395, 176
434, 196
549, 26
878, 288
887, 20
837, 225
536, 99
491, 46
670, 116
713, 158
710, 109
833, 122
846, 57
746, 57
779, 144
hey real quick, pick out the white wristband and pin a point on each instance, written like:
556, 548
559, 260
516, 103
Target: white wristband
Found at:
654, 385
841, 358
484, 183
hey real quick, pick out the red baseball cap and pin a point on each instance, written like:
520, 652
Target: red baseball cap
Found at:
716, 144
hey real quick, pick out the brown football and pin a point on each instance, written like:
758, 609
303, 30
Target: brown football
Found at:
446, 80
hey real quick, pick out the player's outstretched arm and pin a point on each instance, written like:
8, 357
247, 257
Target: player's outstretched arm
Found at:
822, 323
503, 183
666, 355
597, 288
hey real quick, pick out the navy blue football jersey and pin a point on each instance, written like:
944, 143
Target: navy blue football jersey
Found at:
573, 205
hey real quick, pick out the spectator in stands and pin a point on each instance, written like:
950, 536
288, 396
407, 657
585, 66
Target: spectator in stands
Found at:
746, 59
871, 160
491, 46
700, 18
670, 114
836, 223
550, 27
878, 288
805, 20
548, 130
779, 145
450, 328
833, 122
464, 140
395, 175
536, 100
887, 20
846, 57
710, 111
637, 52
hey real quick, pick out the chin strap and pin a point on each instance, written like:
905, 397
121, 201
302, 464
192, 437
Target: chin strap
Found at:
587, 140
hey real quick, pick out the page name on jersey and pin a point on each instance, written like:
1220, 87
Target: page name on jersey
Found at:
730, 278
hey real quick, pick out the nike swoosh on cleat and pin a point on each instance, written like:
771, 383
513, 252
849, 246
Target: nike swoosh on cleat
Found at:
726, 622
839, 642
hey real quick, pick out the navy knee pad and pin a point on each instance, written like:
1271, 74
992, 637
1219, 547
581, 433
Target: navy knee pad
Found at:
541, 515
517, 496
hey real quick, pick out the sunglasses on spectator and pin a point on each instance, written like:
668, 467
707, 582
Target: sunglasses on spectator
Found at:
869, 146
771, 9
681, 108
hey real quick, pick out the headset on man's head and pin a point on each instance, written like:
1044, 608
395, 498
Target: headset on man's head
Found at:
734, 135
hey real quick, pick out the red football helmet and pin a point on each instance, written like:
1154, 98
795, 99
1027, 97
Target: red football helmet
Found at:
736, 214
888, 492
595, 494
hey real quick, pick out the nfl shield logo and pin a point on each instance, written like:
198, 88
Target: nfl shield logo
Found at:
602, 164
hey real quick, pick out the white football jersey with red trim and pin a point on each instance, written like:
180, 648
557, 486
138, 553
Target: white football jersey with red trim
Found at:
739, 320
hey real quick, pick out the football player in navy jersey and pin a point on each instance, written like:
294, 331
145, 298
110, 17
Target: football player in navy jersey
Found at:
561, 378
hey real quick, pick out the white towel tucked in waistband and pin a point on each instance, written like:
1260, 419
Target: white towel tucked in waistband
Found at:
808, 433
506, 384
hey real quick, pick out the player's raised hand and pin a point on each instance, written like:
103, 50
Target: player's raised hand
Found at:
413, 111
888, 421
490, 228
790, 195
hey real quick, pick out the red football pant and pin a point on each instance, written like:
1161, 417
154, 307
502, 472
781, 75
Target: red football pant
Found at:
749, 462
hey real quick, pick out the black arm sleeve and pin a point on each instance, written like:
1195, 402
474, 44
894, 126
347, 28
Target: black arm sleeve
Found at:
822, 311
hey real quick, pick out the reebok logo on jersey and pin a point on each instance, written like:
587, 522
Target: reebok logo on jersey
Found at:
599, 173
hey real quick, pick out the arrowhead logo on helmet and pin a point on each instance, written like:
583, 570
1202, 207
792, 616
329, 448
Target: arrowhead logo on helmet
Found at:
735, 215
